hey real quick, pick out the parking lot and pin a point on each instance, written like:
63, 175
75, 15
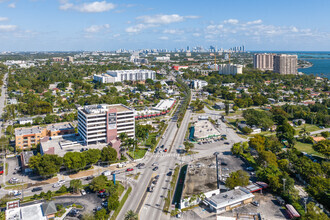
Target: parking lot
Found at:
268, 208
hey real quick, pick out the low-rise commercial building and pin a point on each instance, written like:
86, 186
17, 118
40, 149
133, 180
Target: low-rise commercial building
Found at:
228, 200
27, 137
39, 211
113, 76
104, 123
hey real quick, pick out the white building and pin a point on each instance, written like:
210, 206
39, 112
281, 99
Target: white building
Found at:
164, 104
199, 84
230, 69
113, 76
162, 59
104, 123
23, 121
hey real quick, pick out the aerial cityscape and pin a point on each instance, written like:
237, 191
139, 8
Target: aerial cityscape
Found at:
160, 110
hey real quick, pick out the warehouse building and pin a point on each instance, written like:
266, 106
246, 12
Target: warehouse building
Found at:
103, 123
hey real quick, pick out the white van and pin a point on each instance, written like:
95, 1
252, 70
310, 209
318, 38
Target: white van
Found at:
106, 173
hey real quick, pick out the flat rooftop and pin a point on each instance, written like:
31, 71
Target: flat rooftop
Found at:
164, 104
230, 197
60, 126
102, 108
61, 145
205, 129
27, 131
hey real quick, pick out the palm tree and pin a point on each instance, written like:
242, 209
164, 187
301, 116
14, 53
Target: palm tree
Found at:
130, 215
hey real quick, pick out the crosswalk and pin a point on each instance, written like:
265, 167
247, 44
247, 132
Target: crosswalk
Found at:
167, 155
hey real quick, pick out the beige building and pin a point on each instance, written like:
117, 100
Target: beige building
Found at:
285, 64
28, 137
263, 61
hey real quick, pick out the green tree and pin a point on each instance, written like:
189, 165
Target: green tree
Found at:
238, 178
109, 154
314, 212
237, 149
325, 134
75, 185
285, 132
113, 201
98, 183
258, 143
92, 156
46, 165
101, 215
131, 215
227, 107
323, 147
74, 161
267, 158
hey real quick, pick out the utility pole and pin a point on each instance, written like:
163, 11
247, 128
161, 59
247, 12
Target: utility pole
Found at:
217, 167
284, 185
305, 201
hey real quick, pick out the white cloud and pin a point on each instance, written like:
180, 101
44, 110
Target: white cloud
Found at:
148, 21
173, 31
7, 28
196, 34
12, 5
231, 21
92, 7
163, 38
97, 28
3, 19
254, 22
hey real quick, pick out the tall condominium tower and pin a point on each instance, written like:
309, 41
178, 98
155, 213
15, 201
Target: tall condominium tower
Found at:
285, 64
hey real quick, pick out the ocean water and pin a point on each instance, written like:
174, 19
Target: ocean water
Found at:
319, 59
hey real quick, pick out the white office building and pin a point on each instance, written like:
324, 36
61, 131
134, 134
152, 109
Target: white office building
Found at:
199, 84
230, 69
113, 76
162, 58
103, 123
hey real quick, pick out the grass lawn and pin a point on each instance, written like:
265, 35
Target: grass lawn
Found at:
238, 112
139, 153
309, 128
304, 147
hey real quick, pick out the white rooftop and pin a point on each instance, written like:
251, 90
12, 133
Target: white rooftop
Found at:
164, 104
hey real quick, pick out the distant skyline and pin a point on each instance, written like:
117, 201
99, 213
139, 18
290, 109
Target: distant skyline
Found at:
105, 25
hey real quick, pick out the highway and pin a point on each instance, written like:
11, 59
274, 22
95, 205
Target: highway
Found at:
2, 106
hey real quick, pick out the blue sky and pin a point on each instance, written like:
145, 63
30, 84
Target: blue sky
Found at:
45, 25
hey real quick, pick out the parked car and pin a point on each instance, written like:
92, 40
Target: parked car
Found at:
83, 192
255, 203
223, 164
36, 189
61, 182
226, 143
157, 177
129, 169
250, 169
55, 185
169, 173
104, 204
89, 177
15, 193
73, 212
162, 146
165, 150
155, 168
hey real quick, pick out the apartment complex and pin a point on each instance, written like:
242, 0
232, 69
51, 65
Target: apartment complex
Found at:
104, 123
113, 76
199, 84
285, 64
263, 61
27, 137
230, 69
